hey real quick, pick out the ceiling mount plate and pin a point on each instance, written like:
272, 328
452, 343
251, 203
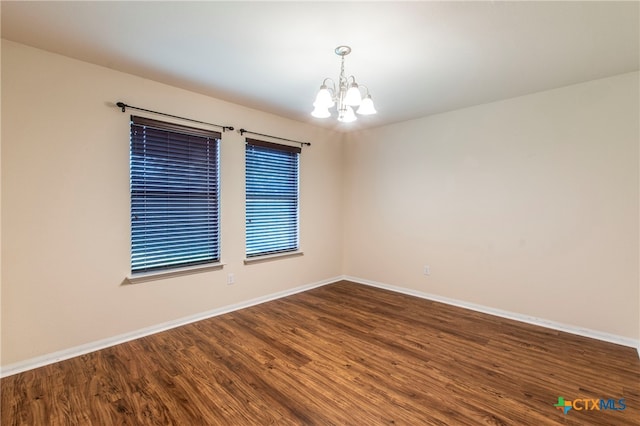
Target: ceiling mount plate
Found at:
343, 50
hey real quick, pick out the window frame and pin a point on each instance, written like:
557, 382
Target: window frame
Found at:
191, 168
261, 147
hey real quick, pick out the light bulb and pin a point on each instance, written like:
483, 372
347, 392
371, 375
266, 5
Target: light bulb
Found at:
353, 96
366, 107
320, 112
323, 98
347, 115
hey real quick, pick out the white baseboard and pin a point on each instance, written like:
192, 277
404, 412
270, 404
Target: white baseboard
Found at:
51, 358
594, 334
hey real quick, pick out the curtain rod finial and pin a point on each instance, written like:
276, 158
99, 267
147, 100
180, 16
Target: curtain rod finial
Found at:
122, 105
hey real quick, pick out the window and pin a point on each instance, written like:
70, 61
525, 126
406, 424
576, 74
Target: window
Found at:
174, 195
272, 198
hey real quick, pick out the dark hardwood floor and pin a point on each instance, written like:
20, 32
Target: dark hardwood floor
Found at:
343, 354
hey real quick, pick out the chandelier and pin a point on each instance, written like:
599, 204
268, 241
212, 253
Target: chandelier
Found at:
345, 96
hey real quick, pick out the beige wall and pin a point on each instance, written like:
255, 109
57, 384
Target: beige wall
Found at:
65, 199
528, 205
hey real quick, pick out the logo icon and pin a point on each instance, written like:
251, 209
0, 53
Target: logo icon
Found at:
563, 405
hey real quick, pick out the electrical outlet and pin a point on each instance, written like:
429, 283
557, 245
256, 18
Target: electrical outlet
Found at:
231, 279
427, 270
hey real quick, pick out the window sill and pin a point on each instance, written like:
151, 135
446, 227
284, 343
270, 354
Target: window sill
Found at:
170, 273
270, 257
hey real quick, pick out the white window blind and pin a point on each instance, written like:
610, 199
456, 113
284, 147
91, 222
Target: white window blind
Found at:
174, 195
271, 198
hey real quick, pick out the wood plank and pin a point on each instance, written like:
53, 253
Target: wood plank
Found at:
342, 354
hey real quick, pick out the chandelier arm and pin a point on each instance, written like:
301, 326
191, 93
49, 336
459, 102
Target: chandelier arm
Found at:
324, 82
332, 89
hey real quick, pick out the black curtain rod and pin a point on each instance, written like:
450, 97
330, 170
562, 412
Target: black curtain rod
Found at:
125, 106
243, 131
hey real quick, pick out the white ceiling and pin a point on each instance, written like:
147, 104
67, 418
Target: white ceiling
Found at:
417, 58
